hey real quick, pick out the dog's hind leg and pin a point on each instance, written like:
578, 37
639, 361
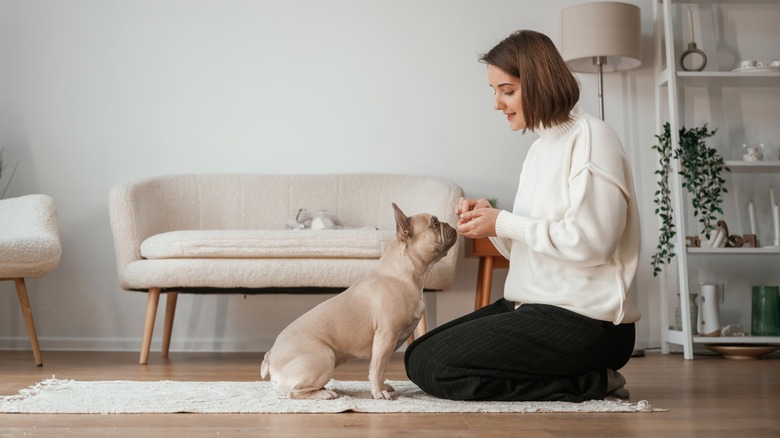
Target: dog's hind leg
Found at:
312, 394
306, 375
312, 388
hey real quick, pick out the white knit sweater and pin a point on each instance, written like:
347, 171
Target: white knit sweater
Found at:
573, 235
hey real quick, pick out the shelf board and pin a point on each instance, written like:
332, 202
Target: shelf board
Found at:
722, 2
754, 166
736, 339
728, 78
676, 337
764, 250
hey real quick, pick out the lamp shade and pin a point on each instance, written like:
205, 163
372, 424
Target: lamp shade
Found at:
603, 29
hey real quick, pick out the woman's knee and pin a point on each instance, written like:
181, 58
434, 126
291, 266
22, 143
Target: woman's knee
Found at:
421, 367
426, 377
414, 362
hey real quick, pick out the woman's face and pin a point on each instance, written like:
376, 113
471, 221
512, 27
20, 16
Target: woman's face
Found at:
508, 96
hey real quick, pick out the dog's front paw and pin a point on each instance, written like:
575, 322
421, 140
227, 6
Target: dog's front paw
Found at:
382, 391
382, 395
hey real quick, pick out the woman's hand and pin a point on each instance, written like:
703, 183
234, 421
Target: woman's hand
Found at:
479, 222
465, 204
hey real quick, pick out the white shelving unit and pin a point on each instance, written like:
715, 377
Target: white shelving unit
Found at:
670, 82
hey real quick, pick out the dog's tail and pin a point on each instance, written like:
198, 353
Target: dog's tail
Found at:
265, 366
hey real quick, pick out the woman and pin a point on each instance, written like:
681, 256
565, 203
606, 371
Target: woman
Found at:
566, 321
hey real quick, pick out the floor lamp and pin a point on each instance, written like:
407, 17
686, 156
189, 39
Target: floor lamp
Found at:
601, 37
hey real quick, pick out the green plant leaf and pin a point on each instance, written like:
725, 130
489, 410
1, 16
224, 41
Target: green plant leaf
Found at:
700, 168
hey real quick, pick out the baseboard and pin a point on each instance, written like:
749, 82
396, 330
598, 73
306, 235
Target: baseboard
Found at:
134, 344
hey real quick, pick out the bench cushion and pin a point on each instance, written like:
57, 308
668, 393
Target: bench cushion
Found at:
331, 243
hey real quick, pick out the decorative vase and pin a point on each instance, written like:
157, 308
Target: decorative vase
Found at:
708, 321
693, 309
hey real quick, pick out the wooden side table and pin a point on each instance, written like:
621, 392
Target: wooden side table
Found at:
489, 259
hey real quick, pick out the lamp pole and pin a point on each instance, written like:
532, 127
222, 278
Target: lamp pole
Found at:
599, 62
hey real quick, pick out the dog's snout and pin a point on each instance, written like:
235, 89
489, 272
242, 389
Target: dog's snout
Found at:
449, 230
449, 233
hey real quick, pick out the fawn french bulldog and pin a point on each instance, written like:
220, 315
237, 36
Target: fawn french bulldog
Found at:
369, 320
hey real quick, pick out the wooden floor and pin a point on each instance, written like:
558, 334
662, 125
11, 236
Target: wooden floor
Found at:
710, 396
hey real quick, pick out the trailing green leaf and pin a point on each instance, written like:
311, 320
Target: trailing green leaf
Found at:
665, 249
701, 168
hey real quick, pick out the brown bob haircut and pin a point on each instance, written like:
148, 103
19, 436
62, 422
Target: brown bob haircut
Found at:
549, 89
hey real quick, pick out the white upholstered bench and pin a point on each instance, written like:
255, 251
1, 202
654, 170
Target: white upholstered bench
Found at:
218, 233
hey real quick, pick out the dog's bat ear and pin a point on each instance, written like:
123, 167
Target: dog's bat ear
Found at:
403, 225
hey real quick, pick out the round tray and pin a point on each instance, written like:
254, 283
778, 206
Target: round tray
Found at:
742, 351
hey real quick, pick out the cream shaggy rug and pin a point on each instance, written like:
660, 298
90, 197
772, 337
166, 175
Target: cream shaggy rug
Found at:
54, 396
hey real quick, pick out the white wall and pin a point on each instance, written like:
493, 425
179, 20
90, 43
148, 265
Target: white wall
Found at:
95, 92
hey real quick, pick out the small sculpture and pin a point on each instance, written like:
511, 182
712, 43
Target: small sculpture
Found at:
720, 238
314, 219
753, 153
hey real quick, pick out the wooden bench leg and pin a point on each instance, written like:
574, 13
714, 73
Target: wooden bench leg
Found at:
170, 310
151, 313
422, 327
484, 282
24, 302
480, 279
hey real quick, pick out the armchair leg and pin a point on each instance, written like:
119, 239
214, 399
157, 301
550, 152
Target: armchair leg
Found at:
151, 313
170, 310
24, 302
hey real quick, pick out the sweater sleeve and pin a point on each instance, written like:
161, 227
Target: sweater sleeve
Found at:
503, 245
590, 230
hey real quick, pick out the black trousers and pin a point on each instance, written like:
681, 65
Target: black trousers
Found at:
536, 352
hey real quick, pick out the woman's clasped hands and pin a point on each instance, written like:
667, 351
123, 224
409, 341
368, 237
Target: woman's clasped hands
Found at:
477, 218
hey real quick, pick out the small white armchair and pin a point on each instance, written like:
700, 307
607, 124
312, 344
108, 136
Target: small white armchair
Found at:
29, 248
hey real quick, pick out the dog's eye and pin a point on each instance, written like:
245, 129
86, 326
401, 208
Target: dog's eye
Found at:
435, 223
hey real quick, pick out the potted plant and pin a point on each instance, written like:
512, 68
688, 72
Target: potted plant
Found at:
700, 167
